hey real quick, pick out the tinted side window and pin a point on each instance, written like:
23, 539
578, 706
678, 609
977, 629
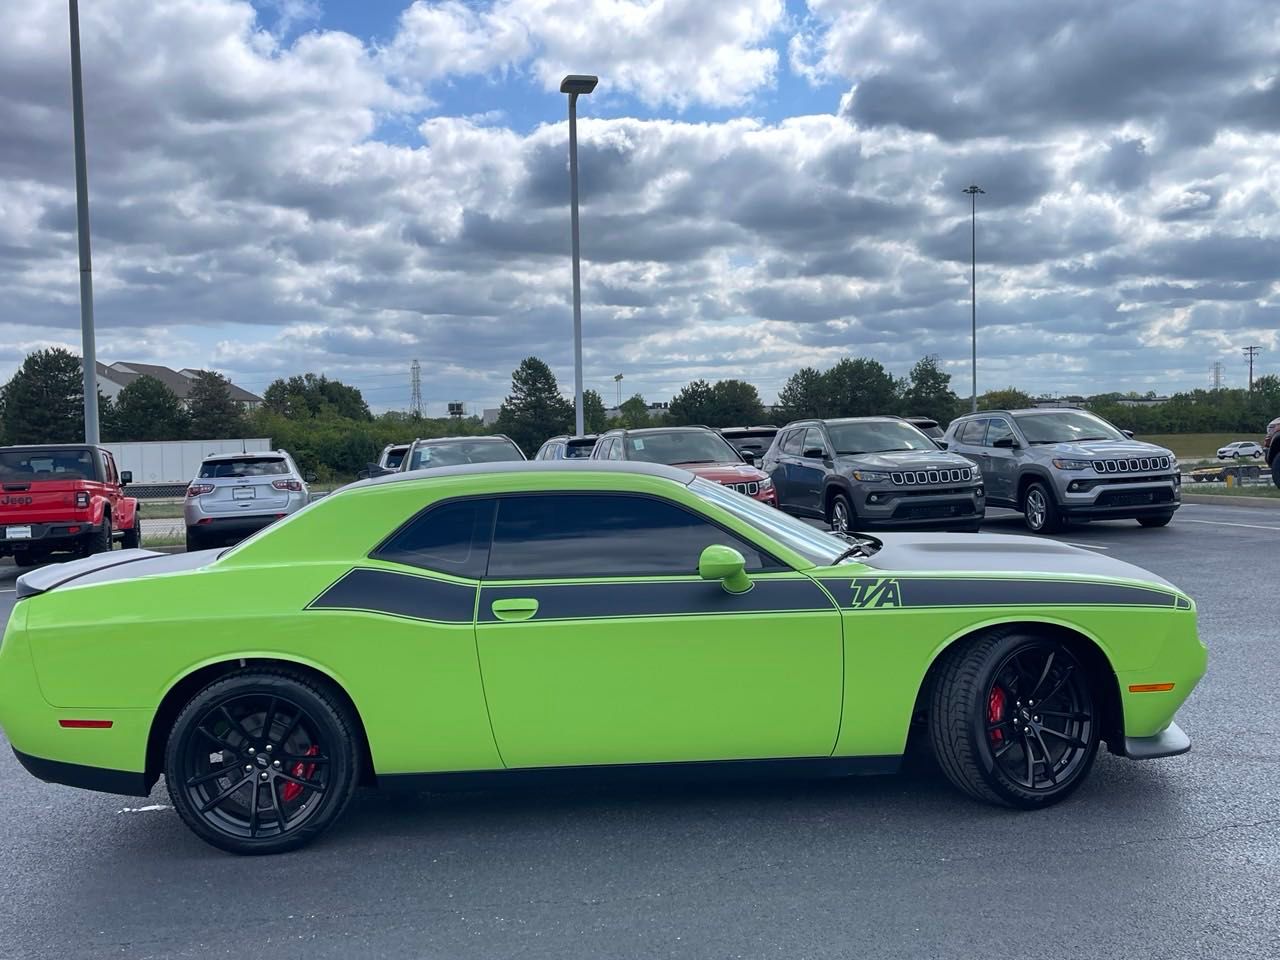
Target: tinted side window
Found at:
996, 430
972, 432
604, 535
791, 443
813, 440
451, 538
615, 449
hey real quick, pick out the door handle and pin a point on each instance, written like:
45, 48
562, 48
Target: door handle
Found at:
521, 608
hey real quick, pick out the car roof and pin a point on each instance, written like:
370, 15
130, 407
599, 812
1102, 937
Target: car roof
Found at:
535, 466
882, 418
278, 454
485, 436
52, 446
672, 429
581, 438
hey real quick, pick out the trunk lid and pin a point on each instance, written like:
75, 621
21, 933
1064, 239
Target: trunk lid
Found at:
40, 501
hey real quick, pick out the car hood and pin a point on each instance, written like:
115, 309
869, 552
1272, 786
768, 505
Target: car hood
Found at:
1104, 449
724, 472
902, 460
998, 554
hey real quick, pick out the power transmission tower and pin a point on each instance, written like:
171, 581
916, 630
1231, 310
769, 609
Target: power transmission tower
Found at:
1217, 374
1251, 352
415, 394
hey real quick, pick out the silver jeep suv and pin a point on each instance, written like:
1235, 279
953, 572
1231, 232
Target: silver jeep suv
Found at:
1057, 465
235, 494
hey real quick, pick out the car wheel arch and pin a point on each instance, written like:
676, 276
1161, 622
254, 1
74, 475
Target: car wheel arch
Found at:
1087, 646
832, 486
185, 686
1029, 476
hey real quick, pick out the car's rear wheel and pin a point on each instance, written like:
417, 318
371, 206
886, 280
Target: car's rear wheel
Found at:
261, 762
27, 558
194, 541
840, 514
1040, 510
1158, 521
1012, 720
98, 541
132, 538
1275, 468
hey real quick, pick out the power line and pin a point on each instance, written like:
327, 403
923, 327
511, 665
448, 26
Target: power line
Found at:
1251, 352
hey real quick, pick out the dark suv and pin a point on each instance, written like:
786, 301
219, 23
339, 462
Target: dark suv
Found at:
867, 473
1271, 449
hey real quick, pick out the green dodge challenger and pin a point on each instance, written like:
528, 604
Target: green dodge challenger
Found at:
500, 621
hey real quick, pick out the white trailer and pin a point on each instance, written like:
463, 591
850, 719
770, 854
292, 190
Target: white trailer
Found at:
165, 462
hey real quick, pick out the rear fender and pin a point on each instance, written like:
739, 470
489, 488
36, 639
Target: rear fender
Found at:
126, 513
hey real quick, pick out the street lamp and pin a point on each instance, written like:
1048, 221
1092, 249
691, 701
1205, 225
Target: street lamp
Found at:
973, 190
618, 380
89, 353
575, 85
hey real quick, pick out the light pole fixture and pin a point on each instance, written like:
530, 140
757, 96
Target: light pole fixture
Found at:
618, 380
89, 351
575, 85
973, 190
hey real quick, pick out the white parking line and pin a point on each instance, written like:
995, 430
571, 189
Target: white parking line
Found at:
1224, 523
1090, 546
9, 590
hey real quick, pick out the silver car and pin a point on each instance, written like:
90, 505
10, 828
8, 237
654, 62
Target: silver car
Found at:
235, 494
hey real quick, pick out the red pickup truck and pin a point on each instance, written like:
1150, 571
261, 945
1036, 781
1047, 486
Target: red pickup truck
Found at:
63, 498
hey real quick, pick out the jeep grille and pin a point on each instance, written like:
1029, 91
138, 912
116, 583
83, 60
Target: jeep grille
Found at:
912, 478
1132, 465
750, 489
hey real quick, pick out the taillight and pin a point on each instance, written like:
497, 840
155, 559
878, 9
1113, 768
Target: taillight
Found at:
82, 498
293, 485
199, 489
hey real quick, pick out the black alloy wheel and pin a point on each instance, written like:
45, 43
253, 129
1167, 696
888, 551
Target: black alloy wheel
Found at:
261, 762
1014, 720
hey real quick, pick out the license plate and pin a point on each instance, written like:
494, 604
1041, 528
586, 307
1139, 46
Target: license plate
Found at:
242, 493
17, 533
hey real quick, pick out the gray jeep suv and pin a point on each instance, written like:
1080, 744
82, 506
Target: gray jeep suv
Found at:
1057, 465
866, 473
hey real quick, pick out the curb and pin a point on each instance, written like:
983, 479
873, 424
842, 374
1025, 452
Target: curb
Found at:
1266, 503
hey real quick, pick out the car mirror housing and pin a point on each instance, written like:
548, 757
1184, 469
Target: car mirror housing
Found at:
815, 453
727, 565
1128, 433
126, 477
747, 457
1006, 443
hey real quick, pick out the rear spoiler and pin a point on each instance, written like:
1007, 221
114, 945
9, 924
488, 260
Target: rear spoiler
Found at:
55, 575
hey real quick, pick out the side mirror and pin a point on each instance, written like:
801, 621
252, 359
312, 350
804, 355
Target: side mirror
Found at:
1006, 443
362, 475
727, 565
309, 477
814, 453
747, 457
126, 477
1128, 433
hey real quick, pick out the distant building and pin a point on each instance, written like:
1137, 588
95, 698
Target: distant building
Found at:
115, 377
1061, 402
490, 416
1141, 401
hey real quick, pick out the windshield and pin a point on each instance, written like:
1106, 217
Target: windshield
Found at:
453, 453
681, 446
34, 466
243, 467
1065, 426
811, 543
877, 436
579, 449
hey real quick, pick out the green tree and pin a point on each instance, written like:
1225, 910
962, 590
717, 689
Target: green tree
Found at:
594, 418
928, 392
860, 388
309, 395
44, 401
147, 410
803, 395
214, 414
736, 403
694, 403
534, 410
633, 414
1010, 398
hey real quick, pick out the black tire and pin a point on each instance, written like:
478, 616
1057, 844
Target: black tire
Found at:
1275, 468
1000, 747
98, 541
132, 538
840, 515
264, 728
1040, 510
1158, 521
194, 541
26, 558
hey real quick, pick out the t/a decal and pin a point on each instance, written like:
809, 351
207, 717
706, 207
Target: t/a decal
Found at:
872, 592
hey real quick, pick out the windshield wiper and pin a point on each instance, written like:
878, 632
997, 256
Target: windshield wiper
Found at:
861, 547
1087, 439
849, 453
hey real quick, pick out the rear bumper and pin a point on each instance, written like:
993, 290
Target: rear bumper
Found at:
229, 526
1170, 742
48, 536
123, 782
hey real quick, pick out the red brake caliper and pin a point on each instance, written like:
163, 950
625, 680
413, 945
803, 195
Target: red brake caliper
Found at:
302, 770
995, 712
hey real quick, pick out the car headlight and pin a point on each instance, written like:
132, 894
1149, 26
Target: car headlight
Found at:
766, 485
976, 472
870, 476
1073, 464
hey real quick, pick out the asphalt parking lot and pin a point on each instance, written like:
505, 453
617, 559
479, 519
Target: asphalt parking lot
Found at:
1171, 858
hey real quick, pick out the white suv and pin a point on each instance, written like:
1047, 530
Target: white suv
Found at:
235, 494
1241, 448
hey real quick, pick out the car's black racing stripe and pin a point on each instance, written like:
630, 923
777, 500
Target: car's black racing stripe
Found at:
656, 598
914, 592
399, 595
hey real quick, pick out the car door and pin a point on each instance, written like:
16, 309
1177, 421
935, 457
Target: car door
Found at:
810, 470
968, 441
600, 644
778, 462
1000, 460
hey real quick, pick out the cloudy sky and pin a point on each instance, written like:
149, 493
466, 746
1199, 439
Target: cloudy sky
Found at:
344, 185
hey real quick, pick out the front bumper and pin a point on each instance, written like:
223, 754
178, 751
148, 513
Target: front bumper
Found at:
892, 508
1102, 500
123, 782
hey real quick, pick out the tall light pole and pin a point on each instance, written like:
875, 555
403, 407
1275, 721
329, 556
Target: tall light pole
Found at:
89, 349
618, 380
575, 85
973, 190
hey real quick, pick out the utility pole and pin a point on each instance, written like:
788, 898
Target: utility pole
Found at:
89, 348
1251, 352
973, 190
415, 389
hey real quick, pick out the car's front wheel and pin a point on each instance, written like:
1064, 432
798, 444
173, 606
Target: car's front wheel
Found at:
1040, 511
262, 762
840, 513
1012, 720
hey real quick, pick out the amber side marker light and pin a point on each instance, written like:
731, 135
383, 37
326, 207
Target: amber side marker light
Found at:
1150, 687
86, 724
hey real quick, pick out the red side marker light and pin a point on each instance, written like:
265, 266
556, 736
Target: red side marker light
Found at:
1150, 687
86, 724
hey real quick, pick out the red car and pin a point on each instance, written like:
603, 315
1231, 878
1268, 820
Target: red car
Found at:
700, 450
1271, 449
63, 498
